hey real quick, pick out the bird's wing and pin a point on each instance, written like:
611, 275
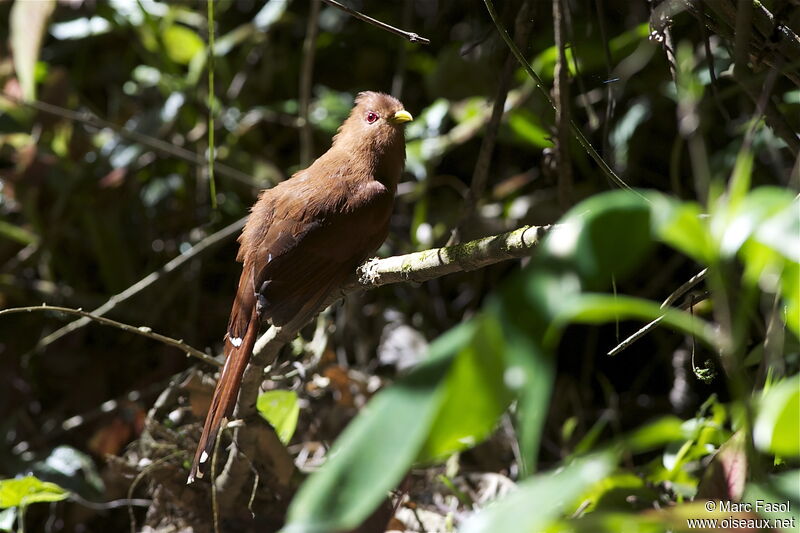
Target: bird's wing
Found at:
309, 249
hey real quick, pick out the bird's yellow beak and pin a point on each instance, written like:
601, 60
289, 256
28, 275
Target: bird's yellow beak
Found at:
402, 116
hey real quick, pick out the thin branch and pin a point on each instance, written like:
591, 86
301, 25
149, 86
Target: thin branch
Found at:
212, 185
306, 76
399, 77
143, 330
113, 504
561, 97
90, 119
412, 37
677, 293
212, 240
579, 136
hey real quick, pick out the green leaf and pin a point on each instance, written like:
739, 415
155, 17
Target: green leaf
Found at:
655, 434
529, 371
778, 489
281, 410
781, 231
524, 125
680, 225
27, 490
733, 225
604, 236
549, 494
181, 44
16, 233
777, 425
599, 308
377, 448
28, 23
474, 395
742, 174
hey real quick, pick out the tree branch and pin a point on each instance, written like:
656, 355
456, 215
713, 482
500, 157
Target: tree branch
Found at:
415, 267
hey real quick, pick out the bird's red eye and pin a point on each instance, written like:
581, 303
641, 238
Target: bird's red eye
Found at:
372, 117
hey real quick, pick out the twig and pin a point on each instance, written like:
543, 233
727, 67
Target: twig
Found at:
579, 136
412, 37
205, 244
480, 174
90, 119
398, 79
113, 504
677, 293
143, 330
561, 97
212, 185
712, 73
306, 75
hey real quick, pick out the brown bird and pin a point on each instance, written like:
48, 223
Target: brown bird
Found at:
306, 235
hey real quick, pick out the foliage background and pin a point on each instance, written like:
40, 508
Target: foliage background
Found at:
87, 211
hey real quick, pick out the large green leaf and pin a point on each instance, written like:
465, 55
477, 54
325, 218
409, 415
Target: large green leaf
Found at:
604, 236
681, 225
474, 395
376, 449
542, 498
777, 426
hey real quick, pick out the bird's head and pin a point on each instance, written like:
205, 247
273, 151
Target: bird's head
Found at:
376, 121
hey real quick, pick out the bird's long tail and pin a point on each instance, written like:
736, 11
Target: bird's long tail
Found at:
239, 341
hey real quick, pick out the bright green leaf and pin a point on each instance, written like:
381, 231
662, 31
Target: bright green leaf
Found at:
524, 125
281, 410
378, 447
181, 44
604, 236
599, 308
540, 500
680, 224
474, 394
777, 425
27, 490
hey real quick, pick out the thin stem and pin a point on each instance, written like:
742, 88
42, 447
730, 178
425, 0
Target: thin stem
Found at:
143, 330
411, 36
207, 243
677, 293
212, 186
306, 77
